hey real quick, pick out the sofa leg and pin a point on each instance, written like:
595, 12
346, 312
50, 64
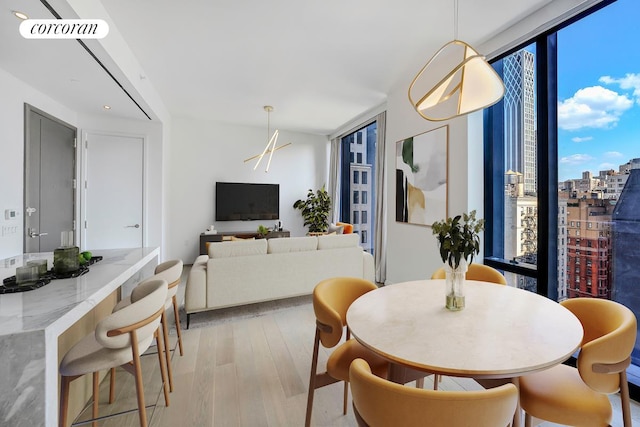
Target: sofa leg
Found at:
188, 319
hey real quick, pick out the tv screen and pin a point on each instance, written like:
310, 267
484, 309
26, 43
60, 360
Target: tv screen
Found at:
237, 201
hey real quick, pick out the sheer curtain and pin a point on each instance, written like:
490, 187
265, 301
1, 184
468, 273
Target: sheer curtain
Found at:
334, 179
380, 238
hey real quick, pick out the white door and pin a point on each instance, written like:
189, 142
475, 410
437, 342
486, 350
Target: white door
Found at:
113, 192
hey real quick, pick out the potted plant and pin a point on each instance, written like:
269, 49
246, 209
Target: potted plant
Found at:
458, 241
262, 231
315, 210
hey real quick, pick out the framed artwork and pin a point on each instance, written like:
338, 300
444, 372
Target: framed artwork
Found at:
421, 177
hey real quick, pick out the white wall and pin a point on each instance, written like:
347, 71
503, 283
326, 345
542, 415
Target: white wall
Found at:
203, 152
412, 251
14, 93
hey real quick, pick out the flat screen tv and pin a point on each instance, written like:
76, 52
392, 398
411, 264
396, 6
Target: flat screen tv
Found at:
236, 201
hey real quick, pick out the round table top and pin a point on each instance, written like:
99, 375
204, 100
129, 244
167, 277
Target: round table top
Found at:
502, 332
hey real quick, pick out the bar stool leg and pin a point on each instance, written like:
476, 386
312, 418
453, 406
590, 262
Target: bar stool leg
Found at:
165, 330
112, 385
163, 372
177, 316
96, 398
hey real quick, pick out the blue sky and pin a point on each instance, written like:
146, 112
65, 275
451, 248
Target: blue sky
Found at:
599, 91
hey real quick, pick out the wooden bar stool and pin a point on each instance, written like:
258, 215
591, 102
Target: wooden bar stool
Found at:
119, 339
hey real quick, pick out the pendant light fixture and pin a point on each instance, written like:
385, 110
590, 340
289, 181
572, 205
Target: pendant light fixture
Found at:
457, 80
271, 142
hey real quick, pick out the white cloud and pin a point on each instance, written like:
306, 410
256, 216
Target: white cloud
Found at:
592, 107
629, 81
606, 166
613, 154
582, 139
576, 159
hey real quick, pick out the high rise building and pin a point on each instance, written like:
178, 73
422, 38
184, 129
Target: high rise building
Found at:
519, 117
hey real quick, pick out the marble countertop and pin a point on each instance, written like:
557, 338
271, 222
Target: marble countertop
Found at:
62, 302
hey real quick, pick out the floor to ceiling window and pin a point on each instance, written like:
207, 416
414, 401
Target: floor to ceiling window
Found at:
357, 182
563, 161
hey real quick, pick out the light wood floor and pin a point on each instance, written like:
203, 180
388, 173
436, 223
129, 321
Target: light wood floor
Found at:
246, 369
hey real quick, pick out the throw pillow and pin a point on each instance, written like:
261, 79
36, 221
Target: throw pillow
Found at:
337, 229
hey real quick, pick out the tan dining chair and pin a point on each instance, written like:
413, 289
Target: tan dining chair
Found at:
381, 403
578, 396
331, 300
171, 272
476, 271
119, 340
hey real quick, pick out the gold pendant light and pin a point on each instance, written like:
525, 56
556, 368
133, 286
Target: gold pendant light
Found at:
271, 142
457, 80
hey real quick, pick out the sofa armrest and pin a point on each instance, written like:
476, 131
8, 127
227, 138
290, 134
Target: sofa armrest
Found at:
368, 265
195, 298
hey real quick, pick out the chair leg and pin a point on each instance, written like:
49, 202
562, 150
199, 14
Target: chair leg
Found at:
436, 380
527, 420
177, 316
96, 398
165, 330
112, 385
312, 378
161, 360
346, 396
138, 376
624, 396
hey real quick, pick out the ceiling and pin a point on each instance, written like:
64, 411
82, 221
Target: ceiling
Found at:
320, 64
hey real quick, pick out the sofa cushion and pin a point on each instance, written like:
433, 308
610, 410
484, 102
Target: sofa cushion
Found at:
336, 241
335, 229
238, 248
292, 244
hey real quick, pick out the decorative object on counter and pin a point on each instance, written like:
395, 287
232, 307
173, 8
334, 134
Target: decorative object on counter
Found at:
41, 264
11, 285
26, 274
315, 210
65, 258
458, 241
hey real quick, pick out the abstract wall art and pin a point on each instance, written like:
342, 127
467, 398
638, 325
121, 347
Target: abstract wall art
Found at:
421, 177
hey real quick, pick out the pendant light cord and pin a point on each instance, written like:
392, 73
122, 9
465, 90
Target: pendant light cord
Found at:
455, 19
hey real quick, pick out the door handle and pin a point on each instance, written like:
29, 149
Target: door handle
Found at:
133, 226
33, 234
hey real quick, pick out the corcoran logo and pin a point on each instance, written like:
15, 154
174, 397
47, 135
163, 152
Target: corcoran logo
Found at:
64, 29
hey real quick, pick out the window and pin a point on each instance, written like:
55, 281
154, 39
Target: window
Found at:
363, 236
357, 191
557, 167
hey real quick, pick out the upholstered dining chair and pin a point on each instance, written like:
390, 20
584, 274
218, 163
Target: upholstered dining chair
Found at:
119, 340
381, 403
171, 272
578, 396
331, 300
477, 271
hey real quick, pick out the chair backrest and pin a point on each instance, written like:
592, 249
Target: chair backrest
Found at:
610, 332
382, 403
143, 314
477, 272
331, 300
171, 271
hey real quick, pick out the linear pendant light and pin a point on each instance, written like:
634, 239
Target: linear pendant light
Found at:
457, 80
271, 143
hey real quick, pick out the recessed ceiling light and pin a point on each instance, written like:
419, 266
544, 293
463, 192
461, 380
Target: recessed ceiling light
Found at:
106, 107
19, 15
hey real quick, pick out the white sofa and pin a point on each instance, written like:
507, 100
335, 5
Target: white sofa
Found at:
250, 271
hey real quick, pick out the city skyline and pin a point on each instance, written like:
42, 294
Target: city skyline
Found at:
598, 92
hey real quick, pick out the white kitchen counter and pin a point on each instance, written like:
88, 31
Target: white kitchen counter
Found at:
32, 321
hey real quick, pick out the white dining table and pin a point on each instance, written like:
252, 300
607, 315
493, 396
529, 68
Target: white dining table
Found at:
503, 332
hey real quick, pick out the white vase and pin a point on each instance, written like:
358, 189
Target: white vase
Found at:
454, 286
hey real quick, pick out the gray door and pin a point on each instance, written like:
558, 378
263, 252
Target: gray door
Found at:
49, 181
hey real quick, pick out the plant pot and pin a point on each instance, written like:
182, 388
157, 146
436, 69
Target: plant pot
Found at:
454, 286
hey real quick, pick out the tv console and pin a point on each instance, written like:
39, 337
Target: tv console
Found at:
226, 235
